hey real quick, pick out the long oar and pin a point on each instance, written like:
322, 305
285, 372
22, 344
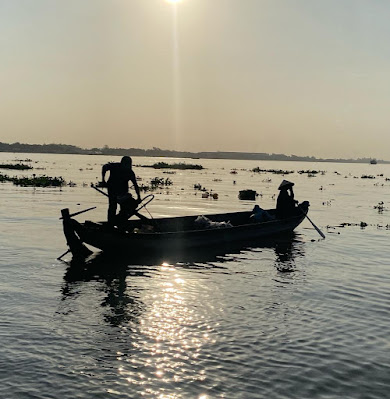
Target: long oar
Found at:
100, 191
80, 212
60, 257
318, 230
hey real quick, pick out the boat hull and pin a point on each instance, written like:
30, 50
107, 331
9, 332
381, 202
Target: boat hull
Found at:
181, 241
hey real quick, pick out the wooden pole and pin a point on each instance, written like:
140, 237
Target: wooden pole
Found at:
80, 212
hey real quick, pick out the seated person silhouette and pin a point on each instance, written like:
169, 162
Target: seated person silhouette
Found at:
118, 190
260, 215
285, 204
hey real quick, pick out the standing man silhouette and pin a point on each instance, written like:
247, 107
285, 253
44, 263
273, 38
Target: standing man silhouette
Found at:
118, 188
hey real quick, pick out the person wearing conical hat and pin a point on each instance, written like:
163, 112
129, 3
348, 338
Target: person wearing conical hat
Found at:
285, 204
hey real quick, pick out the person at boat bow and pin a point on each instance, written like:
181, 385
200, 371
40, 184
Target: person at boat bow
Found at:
285, 204
118, 189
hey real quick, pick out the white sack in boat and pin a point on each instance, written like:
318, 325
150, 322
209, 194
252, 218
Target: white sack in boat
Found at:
205, 223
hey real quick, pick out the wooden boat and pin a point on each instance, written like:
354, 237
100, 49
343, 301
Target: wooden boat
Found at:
165, 236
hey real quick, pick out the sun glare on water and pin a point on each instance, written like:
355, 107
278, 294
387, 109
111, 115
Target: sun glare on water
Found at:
173, 1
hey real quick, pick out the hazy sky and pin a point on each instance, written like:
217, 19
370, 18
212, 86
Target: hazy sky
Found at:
302, 77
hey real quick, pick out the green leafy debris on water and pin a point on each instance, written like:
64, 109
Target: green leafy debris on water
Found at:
311, 172
181, 166
362, 225
34, 181
156, 183
4, 178
380, 207
15, 166
275, 171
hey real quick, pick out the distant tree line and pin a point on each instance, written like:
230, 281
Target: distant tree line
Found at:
41, 148
158, 152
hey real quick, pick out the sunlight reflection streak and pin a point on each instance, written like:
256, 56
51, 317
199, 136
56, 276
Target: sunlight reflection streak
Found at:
176, 76
170, 339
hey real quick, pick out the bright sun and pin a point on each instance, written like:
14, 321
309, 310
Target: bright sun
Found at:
173, 1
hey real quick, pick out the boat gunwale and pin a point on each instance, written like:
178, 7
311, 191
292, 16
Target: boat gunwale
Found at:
254, 225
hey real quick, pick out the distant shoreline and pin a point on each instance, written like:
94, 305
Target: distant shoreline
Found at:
157, 152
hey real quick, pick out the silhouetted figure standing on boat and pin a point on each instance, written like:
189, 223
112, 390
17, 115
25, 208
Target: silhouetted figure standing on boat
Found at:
118, 189
285, 204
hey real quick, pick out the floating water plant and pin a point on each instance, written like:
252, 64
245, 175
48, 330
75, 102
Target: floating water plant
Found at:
181, 166
275, 171
210, 195
38, 181
311, 172
156, 183
23, 160
361, 224
15, 166
380, 207
4, 178
34, 181
160, 181
199, 187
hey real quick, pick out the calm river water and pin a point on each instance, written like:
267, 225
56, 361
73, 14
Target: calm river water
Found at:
304, 318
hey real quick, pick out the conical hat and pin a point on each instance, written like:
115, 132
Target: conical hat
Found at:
284, 184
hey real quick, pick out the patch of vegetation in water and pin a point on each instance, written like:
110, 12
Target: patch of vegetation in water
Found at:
23, 160
15, 166
180, 166
199, 187
311, 172
4, 178
34, 181
39, 181
156, 183
380, 207
274, 171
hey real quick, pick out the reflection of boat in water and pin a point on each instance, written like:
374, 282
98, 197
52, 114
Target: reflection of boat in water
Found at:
117, 284
176, 236
373, 161
120, 304
103, 266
